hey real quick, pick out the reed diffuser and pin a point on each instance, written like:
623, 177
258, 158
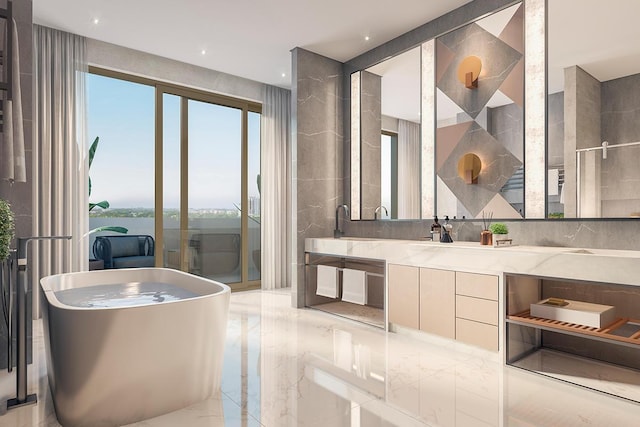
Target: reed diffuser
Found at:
486, 237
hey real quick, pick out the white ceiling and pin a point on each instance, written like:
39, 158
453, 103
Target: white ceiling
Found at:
602, 37
247, 38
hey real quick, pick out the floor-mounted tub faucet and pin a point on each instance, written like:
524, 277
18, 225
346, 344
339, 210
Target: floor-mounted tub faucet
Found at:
337, 232
378, 209
22, 399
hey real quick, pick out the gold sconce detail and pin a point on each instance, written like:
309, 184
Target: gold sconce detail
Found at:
469, 71
469, 167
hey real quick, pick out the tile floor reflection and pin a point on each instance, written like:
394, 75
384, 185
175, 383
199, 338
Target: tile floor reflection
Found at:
289, 367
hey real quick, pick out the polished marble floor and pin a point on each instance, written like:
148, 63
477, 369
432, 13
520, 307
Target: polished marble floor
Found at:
362, 313
288, 367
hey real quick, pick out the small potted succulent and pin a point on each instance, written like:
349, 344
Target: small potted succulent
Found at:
500, 232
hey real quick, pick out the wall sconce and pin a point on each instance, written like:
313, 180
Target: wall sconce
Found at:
469, 70
469, 167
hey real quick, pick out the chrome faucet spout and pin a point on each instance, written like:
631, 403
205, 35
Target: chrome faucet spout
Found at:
337, 232
375, 214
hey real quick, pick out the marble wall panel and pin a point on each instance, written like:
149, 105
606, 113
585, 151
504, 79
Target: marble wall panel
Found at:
555, 130
582, 102
370, 143
507, 127
317, 155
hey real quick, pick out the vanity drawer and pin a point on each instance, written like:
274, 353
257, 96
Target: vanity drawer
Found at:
477, 285
478, 334
480, 310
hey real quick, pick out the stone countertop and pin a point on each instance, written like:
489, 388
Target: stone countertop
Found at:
596, 265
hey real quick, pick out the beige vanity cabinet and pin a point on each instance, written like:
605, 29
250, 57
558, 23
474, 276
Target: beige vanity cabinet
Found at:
438, 302
404, 292
477, 310
451, 304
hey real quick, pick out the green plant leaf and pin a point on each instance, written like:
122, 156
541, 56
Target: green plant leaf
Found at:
103, 204
113, 228
499, 228
92, 150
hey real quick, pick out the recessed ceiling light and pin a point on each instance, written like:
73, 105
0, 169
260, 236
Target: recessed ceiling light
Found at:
284, 75
96, 21
203, 52
366, 38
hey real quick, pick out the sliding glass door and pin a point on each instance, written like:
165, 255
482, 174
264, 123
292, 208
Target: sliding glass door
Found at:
215, 190
209, 154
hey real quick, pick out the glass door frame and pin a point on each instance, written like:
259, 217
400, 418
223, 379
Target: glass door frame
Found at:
185, 95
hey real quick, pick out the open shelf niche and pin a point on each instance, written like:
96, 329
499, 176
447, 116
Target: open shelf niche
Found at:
606, 359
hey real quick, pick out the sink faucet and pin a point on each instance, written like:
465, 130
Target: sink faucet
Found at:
375, 214
337, 232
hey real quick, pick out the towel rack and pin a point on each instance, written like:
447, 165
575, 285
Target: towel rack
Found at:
342, 269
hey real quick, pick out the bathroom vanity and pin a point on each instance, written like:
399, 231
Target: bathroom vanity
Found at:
482, 296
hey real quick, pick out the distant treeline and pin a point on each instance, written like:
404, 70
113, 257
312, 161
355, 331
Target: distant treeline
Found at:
168, 213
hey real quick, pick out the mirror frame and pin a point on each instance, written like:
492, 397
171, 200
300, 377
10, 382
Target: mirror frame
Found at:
535, 114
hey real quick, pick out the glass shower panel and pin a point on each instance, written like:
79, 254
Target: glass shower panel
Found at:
171, 180
214, 191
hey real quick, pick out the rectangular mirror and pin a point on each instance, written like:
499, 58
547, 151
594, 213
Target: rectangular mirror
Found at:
385, 119
400, 135
593, 122
479, 112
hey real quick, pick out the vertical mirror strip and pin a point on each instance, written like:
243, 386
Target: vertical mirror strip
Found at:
427, 129
535, 108
355, 146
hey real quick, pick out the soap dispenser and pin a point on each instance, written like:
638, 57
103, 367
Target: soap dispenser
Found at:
436, 229
446, 231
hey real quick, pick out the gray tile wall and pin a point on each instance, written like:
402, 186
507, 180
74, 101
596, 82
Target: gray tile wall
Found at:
19, 194
621, 124
316, 154
370, 144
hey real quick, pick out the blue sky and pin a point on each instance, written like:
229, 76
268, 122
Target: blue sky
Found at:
121, 113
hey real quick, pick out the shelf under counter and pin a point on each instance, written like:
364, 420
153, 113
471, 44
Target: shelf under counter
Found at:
596, 375
608, 333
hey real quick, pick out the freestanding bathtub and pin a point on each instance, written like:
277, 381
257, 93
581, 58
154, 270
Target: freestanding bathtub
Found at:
131, 344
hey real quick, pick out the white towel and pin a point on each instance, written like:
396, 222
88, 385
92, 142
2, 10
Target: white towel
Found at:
553, 180
354, 286
13, 167
327, 282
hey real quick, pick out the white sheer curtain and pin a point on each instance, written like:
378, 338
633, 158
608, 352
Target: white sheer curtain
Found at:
275, 131
60, 164
408, 170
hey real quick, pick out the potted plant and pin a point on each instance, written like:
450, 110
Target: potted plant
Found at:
500, 232
7, 229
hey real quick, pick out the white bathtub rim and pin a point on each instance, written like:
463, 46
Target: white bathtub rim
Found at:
45, 285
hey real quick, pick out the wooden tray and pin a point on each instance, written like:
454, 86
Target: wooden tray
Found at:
606, 332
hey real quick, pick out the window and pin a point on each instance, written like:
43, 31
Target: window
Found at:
185, 169
121, 115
